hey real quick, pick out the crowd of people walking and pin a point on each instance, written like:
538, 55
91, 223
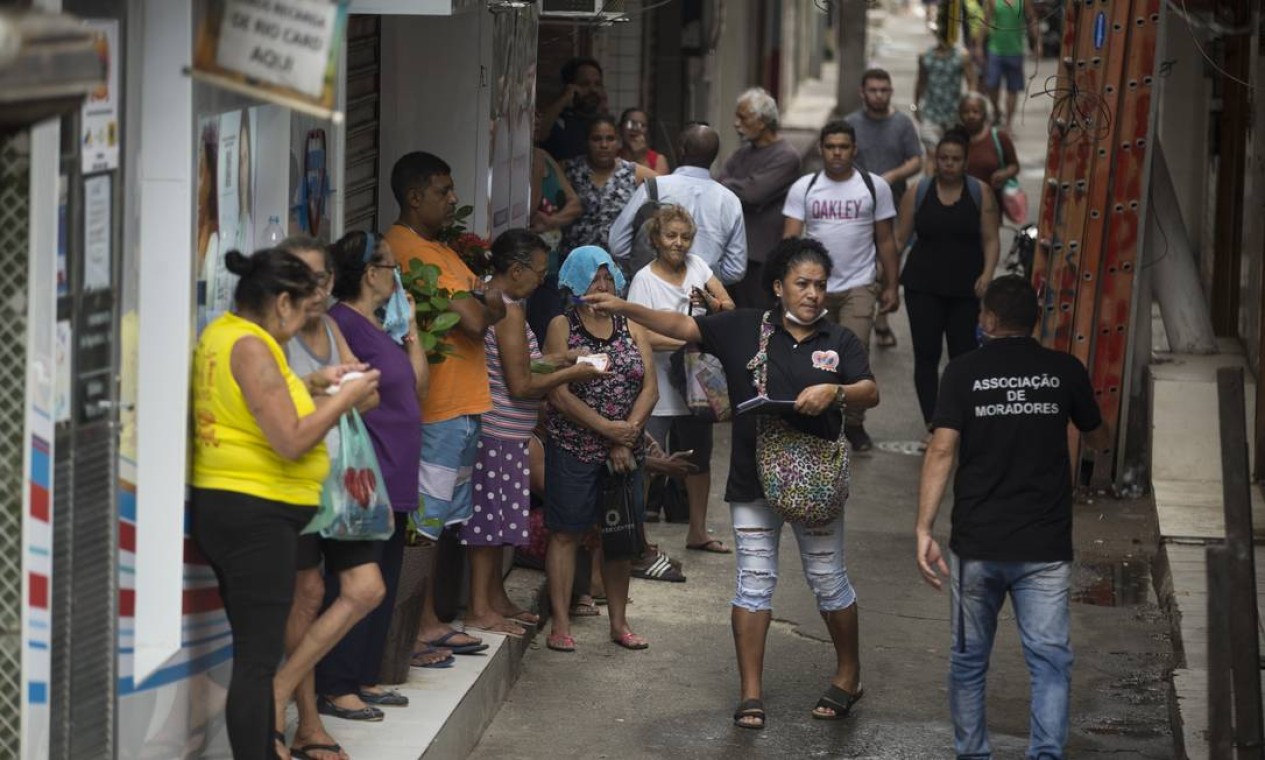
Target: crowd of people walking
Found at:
649, 300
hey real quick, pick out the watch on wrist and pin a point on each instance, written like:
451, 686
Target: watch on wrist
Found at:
841, 399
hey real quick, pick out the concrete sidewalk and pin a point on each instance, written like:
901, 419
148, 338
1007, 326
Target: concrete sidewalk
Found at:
675, 699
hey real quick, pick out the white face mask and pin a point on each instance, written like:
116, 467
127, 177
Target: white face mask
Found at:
801, 322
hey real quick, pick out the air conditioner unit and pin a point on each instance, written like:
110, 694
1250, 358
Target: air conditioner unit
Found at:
582, 10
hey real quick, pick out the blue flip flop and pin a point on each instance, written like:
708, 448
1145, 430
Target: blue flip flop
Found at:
442, 641
441, 665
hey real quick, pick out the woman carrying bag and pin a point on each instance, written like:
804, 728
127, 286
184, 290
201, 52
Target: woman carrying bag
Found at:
793, 355
679, 281
596, 432
366, 280
259, 463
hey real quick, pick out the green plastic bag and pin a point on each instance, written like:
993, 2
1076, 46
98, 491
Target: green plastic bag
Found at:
354, 501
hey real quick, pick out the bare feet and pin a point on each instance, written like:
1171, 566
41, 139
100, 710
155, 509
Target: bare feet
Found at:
494, 623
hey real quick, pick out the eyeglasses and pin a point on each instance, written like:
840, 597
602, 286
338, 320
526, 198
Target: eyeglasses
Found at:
637, 126
541, 274
323, 278
396, 267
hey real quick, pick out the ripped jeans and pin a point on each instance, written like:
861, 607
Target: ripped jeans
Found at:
757, 531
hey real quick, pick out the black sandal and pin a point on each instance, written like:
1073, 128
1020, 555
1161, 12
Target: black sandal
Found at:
838, 700
750, 708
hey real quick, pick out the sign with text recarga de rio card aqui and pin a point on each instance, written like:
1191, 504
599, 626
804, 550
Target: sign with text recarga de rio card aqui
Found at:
285, 51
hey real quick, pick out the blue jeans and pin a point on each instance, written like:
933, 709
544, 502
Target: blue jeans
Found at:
757, 530
1039, 594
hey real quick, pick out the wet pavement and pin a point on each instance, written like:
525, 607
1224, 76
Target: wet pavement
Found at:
675, 699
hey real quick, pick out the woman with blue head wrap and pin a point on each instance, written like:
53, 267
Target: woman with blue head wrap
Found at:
595, 431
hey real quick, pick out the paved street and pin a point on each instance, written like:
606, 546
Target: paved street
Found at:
675, 699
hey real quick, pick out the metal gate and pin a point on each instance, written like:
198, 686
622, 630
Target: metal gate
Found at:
15, 167
364, 55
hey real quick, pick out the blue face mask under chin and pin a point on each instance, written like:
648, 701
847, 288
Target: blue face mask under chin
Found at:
397, 314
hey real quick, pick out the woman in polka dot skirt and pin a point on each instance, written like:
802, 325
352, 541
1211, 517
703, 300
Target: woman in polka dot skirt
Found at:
520, 261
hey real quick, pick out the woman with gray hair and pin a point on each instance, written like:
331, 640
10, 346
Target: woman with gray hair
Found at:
759, 173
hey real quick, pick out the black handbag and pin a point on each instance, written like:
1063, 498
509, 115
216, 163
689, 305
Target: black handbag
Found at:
620, 537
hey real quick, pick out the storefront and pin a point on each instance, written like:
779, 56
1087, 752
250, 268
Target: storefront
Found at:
126, 264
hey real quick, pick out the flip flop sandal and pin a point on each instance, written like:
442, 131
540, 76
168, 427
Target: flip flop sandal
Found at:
661, 569
750, 708
838, 700
706, 546
631, 640
886, 338
584, 609
442, 641
444, 664
560, 642
368, 714
305, 752
387, 698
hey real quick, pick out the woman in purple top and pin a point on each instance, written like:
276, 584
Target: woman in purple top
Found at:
365, 279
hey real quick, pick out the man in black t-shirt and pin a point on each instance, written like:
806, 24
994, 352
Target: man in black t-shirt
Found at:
1004, 409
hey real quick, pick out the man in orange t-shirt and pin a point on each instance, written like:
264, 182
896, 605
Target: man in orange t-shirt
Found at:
423, 188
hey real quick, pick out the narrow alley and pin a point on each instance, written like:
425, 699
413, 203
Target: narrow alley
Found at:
675, 699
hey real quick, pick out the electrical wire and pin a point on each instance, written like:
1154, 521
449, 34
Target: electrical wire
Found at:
1216, 67
1076, 113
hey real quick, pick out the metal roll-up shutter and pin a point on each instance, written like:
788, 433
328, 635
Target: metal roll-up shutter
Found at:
364, 47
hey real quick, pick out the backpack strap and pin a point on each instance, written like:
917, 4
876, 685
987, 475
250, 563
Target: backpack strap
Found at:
869, 185
976, 190
652, 189
924, 186
811, 182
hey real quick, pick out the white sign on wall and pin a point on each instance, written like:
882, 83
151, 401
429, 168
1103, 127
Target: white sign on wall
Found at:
286, 43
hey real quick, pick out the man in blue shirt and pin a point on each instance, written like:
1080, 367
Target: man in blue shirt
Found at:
721, 240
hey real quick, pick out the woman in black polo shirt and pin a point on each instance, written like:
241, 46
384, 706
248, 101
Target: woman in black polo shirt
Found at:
818, 364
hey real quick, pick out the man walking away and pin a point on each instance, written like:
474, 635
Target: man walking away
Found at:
888, 145
851, 213
759, 173
1006, 22
721, 239
1004, 409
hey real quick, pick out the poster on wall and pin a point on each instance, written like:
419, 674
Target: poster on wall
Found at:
310, 178
98, 232
99, 135
283, 51
226, 190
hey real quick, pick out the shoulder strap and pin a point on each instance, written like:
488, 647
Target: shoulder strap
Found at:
924, 186
759, 364
652, 189
1001, 157
869, 185
976, 191
809, 189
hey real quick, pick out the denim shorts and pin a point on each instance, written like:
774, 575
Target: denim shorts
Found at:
449, 449
573, 492
1008, 66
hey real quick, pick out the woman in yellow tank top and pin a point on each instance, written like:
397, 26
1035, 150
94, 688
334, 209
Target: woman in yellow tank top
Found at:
258, 464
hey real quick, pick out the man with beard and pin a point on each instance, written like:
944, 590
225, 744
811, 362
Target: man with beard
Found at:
850, 211
888, 145
583, 97
759, 173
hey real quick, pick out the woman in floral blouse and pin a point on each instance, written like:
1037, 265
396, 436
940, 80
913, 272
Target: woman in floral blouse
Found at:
594, 426
605, 183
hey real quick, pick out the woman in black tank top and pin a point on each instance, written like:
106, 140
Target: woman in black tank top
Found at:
953, 219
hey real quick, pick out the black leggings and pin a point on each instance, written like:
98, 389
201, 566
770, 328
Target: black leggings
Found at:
934, 320
251, 543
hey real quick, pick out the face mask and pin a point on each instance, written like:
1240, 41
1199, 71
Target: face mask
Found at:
396, 319
792, 318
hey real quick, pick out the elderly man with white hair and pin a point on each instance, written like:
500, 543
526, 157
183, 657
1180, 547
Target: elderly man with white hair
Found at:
759, 173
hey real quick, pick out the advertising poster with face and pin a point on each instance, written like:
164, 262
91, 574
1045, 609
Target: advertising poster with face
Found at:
226, 191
